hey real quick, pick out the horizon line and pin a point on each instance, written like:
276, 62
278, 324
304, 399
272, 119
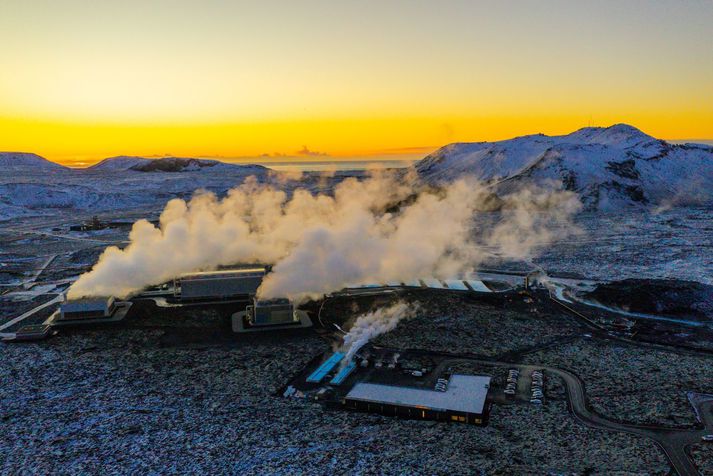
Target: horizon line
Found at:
395, 154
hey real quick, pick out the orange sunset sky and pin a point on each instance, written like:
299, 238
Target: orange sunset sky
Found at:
327, 80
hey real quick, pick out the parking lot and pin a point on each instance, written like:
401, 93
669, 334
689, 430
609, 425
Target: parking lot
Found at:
519, 384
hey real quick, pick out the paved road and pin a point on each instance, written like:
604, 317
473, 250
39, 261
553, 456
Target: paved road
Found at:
29, 313
39, 271
64, 236
672, 441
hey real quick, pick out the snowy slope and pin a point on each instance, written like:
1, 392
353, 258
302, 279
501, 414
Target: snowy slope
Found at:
122, 162
608, 167
50, 195
180, 164
169, 164
16, 161
112, 186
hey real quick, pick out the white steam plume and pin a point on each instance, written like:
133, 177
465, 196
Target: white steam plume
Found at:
384, 228
372, 324
434, 235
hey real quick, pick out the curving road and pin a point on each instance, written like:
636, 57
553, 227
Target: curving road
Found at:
672, 441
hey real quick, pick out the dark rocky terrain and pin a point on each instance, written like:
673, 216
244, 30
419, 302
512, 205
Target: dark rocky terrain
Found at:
172, 392
666, 297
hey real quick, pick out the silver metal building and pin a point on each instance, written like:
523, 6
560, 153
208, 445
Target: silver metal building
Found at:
219, 284
462, 401
272, 312
87, 308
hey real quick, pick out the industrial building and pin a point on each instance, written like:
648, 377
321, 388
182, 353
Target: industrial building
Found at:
87, 308
72, 313
463, 400
272, 312
218, 285
269, 314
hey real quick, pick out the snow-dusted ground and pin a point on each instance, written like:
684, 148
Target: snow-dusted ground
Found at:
28, 193
677, 244
41, 188
673, 244
647, 241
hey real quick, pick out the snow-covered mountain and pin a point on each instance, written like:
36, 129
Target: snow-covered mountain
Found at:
608, 167
21, 161
122, 162
180, 164
118, 183
170, 164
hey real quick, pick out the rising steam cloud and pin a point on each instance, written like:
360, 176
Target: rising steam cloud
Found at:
387, 227
372, 324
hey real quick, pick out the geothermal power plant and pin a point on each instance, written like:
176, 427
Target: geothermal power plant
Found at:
368, 380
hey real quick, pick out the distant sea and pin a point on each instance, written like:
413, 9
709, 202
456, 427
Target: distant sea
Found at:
325, 165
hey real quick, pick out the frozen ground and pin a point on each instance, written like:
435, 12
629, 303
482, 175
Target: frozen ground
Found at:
641, 242
29, 193
174, 395
676, 244
181, 394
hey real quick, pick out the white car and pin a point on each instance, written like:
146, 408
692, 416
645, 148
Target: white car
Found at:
707, 438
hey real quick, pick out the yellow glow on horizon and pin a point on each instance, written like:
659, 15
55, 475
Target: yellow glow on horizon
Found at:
83, 81
390, 138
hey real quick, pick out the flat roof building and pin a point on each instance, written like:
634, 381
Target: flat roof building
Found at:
270, 314
273, 311
87, 308
463, 400
220, 284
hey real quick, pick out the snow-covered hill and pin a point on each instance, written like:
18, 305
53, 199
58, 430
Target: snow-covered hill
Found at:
114, 184
179, 164
21, 161
608, 167
170, 164
122, 162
